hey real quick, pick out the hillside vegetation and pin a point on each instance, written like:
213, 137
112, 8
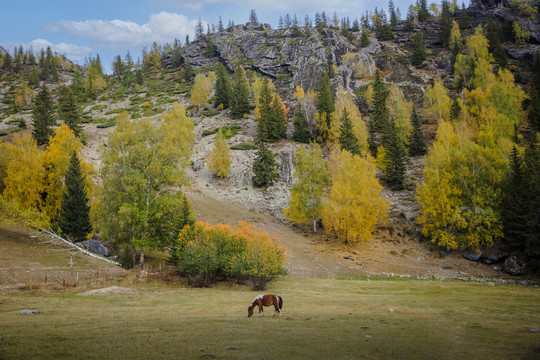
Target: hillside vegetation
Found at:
423, 129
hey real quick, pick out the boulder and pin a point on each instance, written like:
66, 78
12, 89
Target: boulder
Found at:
493, 257
472, 256
96, 247
29, 312
197, 165
515, 264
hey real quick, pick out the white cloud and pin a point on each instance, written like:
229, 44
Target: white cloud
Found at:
73, 52
343, 7
119, 34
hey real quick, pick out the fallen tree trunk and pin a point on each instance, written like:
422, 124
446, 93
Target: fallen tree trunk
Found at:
84, 251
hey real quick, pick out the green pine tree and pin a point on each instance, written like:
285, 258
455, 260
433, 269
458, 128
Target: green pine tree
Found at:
423, 12
397, 159
240, 94
417, 144
347, 138
494, 37
188, 70
33, 79
379, 121
184, 218
278, 120
419, 51
69, 112
325, 96
532, 171
265, 167
455, 110
265, 112
534, 110
301, 127
77, 85
364, 37
74, 218
7, 62
223, 87
43, 117
445, 22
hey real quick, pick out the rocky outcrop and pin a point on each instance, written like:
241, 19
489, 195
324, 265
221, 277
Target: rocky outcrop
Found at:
515, 264
286, 164
283, 55
96, 247
2, 51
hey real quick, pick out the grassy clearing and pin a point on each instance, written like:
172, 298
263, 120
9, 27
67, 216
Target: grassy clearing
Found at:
345, 319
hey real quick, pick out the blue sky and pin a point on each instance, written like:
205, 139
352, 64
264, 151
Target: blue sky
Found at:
80, 29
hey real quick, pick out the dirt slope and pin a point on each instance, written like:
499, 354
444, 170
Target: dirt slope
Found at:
313, 255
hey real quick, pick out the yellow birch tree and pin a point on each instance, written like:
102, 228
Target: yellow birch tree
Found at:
354, 204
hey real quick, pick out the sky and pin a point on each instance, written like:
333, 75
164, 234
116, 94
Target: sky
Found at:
81, 29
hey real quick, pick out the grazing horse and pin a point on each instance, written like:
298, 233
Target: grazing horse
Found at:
266, 300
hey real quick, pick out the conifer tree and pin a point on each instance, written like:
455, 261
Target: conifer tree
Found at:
455, 110
42, 117
364, 37
301, 127
392, 12
494, 36
264, 112
77, 85
347, 138
185, 218
223, 87
69, 111
240, 94
532, 170
74, 219
379, 121
423, 12
419, 51
188, 70
7, 63
265, 166
325, 96
516, 204
199, 30
417, 144
445, 23
397, 159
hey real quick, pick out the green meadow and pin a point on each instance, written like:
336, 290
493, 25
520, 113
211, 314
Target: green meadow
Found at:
378, 318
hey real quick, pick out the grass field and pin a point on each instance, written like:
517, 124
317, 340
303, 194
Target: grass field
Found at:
322, 319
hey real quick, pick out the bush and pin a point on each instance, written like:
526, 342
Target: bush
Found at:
209, 253
106, 125
244, 146
126, 260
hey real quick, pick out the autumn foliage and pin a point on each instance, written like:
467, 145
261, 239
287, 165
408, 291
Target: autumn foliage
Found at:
208, 253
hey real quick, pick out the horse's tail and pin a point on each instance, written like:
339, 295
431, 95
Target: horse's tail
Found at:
280, 302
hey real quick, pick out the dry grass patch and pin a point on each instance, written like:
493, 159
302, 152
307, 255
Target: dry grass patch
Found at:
321, 319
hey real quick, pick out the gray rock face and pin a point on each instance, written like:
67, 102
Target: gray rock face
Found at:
515, 265
96, 247
2, 51
286, 164
276, 53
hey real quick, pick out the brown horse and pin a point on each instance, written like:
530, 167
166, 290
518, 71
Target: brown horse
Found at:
266, 300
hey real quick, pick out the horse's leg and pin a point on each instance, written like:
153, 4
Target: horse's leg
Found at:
260, 304
275, 300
